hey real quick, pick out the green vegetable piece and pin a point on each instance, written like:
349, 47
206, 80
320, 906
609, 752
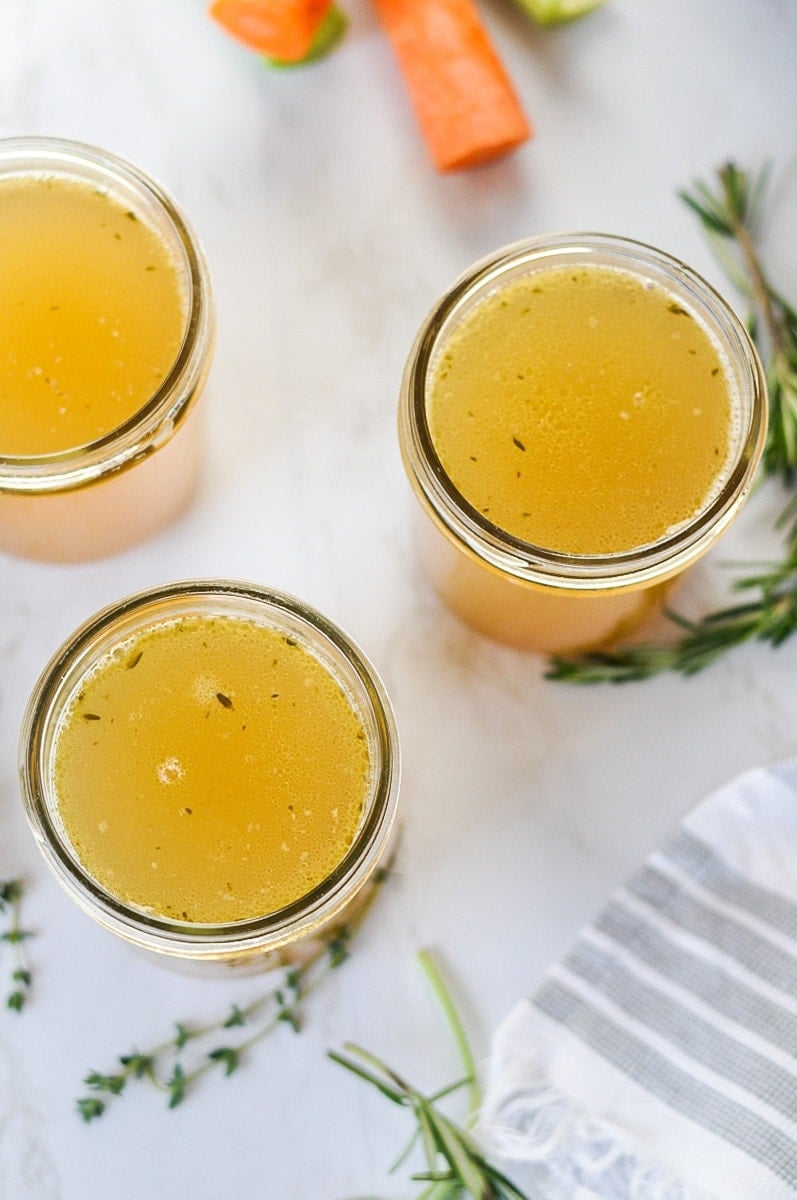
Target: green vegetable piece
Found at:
557, 12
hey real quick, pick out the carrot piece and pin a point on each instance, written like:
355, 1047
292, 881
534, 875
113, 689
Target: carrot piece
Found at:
465, 104
281, 29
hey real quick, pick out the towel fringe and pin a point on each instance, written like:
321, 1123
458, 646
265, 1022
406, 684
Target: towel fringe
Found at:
560, 1152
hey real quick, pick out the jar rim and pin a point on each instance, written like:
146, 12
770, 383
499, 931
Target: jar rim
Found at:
115, 624
526, 561
157, 419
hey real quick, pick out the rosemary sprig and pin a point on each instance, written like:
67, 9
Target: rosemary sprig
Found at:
730, 218
768, 612
769, 615
163, 1066
11, 891
456, 1166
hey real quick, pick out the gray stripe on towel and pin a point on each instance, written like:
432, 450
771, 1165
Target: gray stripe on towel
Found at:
708, 868
685, 1030
705, 979
674, 1086
753, 951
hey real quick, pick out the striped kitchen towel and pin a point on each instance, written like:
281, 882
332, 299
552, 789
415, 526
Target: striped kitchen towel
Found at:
658, 1060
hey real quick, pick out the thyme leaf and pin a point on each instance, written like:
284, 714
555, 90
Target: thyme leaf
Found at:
176, 1085
90, 1107
228, 1056
236, 1017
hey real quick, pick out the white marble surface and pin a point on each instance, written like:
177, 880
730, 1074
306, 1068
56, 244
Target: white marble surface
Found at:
525, 802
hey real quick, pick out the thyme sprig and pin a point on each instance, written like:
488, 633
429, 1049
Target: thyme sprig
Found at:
456, 1166
164, 1067
13, 935
730, 216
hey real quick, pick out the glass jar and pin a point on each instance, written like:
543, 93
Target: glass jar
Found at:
533, 597
100, 497
276, 938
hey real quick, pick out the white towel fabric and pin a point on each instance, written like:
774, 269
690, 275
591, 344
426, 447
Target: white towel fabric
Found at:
658, 1060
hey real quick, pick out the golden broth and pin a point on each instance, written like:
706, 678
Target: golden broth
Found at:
211, 769
92, 313
582, 409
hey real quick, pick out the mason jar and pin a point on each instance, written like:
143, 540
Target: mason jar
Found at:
100, 489
97, 876
542, 597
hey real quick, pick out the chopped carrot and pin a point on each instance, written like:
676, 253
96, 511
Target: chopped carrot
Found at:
463, 99
282, 29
